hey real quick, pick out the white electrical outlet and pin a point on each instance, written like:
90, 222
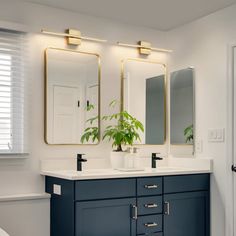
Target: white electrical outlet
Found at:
216, 135
198, 146
57, 189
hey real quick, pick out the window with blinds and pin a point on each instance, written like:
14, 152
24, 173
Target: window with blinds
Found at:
13, 93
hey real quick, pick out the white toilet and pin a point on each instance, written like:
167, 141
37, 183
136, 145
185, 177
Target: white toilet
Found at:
3, 233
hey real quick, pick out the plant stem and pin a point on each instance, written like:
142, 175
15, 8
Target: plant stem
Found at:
119, 148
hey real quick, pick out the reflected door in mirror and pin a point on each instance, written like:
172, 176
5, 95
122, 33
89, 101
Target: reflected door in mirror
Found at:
66, 114
72, 95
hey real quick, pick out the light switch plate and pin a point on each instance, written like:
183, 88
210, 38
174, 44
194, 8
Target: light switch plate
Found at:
216, 135
57, 189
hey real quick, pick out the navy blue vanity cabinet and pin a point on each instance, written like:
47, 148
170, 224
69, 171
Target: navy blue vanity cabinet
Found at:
142, 206
186, 205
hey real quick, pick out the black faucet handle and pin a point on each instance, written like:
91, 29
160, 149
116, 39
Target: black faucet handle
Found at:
154, 154
79, 158
155, 157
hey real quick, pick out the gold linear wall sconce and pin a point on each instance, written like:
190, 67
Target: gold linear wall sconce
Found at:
144, 48
73, 36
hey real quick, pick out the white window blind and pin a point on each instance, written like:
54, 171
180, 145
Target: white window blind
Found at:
13, 92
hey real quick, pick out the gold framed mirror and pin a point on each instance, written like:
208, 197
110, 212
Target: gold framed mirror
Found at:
143, 95
72, 97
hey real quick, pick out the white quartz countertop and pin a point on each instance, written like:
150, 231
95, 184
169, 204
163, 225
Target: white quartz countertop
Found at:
113, 174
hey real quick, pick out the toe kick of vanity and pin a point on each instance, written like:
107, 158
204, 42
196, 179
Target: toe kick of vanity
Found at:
154, 206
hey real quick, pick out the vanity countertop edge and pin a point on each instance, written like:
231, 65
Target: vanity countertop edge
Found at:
115, 174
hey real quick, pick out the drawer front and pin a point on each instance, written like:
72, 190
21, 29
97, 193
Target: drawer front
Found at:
186, 183
104, 189
149, 224
149, 186
150, 205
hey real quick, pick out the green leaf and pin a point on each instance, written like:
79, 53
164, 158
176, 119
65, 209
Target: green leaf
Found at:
113, 103
188, 133
90, 107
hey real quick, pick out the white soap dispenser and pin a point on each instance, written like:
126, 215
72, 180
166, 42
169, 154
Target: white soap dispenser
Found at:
136, 158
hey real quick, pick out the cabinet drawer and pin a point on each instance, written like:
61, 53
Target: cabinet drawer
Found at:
149, 186
149, 224
150, 205
186, 183
103, 189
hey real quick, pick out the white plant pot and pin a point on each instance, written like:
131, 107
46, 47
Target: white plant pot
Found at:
117, 159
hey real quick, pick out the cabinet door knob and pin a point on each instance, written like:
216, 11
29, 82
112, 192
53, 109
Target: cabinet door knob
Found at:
151, 205
150, 186
167, 208
149, 225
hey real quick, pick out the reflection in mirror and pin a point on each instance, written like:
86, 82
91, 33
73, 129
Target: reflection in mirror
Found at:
143, 96
72, 95
182, 107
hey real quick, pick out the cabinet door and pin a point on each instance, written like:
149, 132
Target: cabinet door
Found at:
105, 218
186, 214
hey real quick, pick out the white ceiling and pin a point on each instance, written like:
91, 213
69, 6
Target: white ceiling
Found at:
157, 14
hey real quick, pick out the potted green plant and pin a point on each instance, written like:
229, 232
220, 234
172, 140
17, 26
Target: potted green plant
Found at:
123, 130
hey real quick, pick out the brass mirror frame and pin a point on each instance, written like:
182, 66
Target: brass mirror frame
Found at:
46, 96
123, 61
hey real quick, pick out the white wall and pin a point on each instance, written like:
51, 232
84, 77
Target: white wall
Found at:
25, 217
22, 176
203, 44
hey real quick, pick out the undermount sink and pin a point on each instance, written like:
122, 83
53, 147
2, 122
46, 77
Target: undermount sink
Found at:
87, 172
165, 168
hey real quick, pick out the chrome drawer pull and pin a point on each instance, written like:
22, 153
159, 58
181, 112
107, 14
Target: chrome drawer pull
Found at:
151, 205
151, 186
167, 208
151, 224
135, 212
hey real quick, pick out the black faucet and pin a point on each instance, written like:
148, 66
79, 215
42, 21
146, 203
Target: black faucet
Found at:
154, 159
79, 161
